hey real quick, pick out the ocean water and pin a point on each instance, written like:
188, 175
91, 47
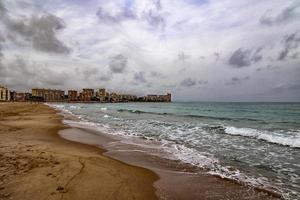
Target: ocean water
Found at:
253, 143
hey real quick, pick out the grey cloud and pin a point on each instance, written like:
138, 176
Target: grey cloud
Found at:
140, 77
202, 82
217, 56
240, 58
118, 63
188, 82
108, 17
105, 77
88, 73
267, 68
2, 40
257, 56
237, 80
285, 87
18, 72
286, 15
182, 56
243, 58
155, 19
2, 9
290, 43
40, 31
153, 16
156, 74
295, 55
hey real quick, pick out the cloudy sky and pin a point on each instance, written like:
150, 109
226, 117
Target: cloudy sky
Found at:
200, 50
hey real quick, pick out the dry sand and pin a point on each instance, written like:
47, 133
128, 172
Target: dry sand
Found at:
35, 163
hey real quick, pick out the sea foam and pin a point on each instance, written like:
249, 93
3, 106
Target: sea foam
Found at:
291, 139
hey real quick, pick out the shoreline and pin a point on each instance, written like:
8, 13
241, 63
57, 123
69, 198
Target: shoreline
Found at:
57, 168
172, 173
36, 163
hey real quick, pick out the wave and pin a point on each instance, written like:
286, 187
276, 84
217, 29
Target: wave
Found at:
185, 115
291, 139
134, 111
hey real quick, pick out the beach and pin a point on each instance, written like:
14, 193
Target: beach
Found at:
37, 163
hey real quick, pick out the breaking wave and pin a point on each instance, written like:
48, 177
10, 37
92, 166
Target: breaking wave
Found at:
291, 139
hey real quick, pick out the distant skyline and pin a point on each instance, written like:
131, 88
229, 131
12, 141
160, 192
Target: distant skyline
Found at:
199, 50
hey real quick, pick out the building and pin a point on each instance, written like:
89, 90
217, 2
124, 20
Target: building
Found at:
151, 97
127, 97
19, 96
49, 95
158, 98
4, 94
102, 95
86, 95
114, 97
72, 95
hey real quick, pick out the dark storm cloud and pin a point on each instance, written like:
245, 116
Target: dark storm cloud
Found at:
244, 58
284, 16
140, 77
40, 31
290, 43
188, 82
237, 80
108, 17
118, 63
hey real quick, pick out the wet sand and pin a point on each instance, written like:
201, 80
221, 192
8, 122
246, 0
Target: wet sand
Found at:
35, 163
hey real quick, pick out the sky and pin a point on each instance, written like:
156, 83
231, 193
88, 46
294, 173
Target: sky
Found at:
199, 50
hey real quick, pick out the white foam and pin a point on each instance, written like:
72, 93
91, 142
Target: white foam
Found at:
103, 108
75, 107
291, 139
106, 116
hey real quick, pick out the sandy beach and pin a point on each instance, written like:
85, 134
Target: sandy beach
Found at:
35, 163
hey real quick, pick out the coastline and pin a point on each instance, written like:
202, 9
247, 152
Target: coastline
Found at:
66, 168
38, 164
172, 173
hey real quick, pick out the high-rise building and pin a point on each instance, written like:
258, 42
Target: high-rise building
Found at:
101, 94
86, 95
72, 95
4, 94
49, 94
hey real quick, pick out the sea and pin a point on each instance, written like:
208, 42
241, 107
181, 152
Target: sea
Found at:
255, 144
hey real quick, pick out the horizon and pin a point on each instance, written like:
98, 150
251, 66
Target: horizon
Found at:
198, 50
